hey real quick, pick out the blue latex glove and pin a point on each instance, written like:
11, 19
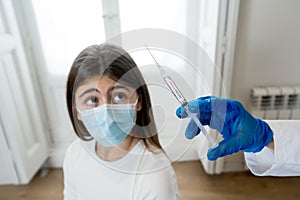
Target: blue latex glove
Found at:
240, 130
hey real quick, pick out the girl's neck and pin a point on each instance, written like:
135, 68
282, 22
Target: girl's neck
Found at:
115, 153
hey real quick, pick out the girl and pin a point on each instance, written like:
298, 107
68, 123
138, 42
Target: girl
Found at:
117, 154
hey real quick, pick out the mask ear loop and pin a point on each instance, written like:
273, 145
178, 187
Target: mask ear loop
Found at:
137, 100
78, 110
85, 137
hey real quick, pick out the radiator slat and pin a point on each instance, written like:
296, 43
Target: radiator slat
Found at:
275, 102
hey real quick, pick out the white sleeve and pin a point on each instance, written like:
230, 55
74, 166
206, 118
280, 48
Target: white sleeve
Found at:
158, 185
284, 160
69, 190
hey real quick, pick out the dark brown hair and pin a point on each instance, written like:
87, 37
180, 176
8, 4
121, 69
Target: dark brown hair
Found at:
116, 63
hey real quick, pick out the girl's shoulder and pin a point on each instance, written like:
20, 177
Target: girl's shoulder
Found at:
156, 170
76, 145
77, 148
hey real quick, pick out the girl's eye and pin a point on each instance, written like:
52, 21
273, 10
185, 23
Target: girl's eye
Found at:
92, 101
120, 98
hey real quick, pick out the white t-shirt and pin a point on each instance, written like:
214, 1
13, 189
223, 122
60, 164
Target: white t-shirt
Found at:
140, 174
284, 160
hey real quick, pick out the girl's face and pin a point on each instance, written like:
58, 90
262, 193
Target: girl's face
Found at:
105, 90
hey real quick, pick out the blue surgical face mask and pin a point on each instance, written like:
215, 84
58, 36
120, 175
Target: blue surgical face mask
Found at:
109, 124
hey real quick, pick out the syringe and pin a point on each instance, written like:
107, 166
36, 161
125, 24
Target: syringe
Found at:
181, 99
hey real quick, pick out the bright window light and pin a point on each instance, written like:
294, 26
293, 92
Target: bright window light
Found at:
166, 14
66, 27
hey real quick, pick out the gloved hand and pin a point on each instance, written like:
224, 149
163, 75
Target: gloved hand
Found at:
240, 130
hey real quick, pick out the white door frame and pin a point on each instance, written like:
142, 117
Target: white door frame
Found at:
217, 36
225, 50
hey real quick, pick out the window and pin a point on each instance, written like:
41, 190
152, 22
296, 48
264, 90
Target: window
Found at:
167, 14
67, 27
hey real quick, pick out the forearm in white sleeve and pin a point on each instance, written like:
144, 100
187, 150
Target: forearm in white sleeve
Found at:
284, 160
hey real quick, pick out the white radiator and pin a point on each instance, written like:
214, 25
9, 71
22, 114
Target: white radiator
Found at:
276, 102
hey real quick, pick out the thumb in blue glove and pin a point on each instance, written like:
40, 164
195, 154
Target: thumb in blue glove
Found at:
240, 130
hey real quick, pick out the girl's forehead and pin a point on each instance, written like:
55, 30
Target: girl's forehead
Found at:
99, 82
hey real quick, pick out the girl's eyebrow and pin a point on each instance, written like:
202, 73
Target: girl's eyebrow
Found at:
88, 91
120, 87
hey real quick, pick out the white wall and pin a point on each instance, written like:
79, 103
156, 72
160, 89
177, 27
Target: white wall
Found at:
267, 46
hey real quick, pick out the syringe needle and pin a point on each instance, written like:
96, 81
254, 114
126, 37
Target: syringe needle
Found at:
180, 98
151, 54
